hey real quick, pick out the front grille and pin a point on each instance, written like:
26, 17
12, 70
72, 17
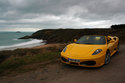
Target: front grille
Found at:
73, 63
65, 60
89, 63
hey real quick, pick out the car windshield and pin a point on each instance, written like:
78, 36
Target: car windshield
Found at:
91, 40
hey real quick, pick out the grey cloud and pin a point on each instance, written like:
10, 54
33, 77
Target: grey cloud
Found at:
70, 13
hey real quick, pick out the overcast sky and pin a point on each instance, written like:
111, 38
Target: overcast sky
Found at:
32, 15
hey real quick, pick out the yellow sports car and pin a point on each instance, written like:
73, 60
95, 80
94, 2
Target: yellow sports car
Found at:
90, 51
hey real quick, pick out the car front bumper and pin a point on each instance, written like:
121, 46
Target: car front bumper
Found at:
96, 61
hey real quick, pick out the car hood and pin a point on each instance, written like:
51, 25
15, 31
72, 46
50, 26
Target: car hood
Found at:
82, 50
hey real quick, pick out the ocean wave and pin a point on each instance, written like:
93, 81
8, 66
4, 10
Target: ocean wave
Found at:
32, 43
15, 39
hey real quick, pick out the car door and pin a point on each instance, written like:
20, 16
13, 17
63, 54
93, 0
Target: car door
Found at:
115, 43
111, 45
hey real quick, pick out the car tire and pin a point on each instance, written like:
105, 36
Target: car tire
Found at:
107, 58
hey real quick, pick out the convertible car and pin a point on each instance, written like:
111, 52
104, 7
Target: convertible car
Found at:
90, 51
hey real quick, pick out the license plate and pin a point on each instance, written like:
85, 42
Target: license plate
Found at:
73, 60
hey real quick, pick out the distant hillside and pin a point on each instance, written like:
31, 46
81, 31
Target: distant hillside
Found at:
68, 35
120, 26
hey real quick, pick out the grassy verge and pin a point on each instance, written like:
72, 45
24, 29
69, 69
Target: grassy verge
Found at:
23, 60
16, 63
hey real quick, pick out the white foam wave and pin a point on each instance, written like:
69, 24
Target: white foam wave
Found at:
15, 39
32, 43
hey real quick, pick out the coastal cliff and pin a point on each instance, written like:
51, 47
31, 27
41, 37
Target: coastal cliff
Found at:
68, 35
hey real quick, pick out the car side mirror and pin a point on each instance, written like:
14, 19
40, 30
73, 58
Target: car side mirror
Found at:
75, 40
111, 41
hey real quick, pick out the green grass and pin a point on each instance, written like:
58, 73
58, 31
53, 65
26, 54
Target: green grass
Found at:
14, 63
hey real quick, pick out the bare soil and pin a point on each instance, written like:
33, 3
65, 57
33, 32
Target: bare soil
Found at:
61, 73
49, 45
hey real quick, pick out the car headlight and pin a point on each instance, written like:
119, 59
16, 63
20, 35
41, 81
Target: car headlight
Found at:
64, 49
97, 51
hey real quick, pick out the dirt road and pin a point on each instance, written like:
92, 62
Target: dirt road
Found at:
60, 73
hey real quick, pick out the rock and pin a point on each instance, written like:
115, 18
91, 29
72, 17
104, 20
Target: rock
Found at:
18, 32
25, 37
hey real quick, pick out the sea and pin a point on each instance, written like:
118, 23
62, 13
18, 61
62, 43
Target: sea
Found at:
11, 41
